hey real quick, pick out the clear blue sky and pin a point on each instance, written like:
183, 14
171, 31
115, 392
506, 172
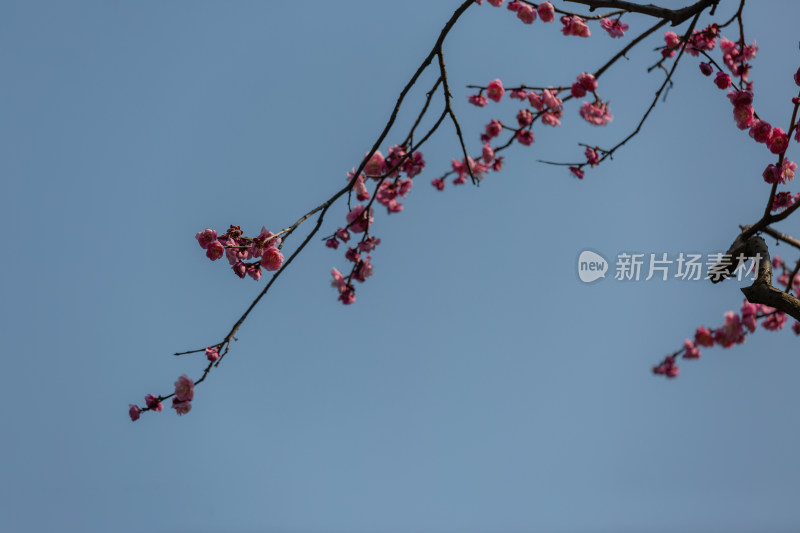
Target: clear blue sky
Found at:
476, 385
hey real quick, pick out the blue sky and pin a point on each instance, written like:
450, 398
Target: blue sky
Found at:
476, 384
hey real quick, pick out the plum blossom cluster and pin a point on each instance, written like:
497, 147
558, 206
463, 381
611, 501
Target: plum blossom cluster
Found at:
181, 399
394, 176
543, 104
733, 331
264, 249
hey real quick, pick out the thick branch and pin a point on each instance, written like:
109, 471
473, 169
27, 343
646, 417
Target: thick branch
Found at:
675, 16
762, 291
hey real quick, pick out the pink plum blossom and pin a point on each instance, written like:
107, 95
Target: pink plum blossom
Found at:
495, 90
703, 337
749, 312
761, 131
206, 237
478, 100
524, 118
525, 137
376, 166
578, 173
153, 403
574, 25
723, 81
596, 114
775, 321
184, 389
778, 141
494, 128
614, 27
487, 154
691, 351
215, 250
577, 90
272, 259
546, 12
240, 269
526, 14
587, 81
535, 100
730, 332
438, 183
254, 271
134, 412
212, 353
782, 200
181, 406
359, 220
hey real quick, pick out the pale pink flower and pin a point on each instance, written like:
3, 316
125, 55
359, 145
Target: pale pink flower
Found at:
212, 353
215, 250
376, 166
535, 101
671, 39
526, 14
775, 322
787, 170
369, 244
551, 100
363, 270
596, 114
519, 94
614, 27
184, 388
749, 312
134, 412
574, 25
551, 118
153, 403
254, 271
487, 154
478, 100
703, 337
591, 156
359, 220
494, 128
272, 259
495, 90
730, 332
546, 12
240, 269
181, 406
342, 234
206, 237
690, 350
338, 281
